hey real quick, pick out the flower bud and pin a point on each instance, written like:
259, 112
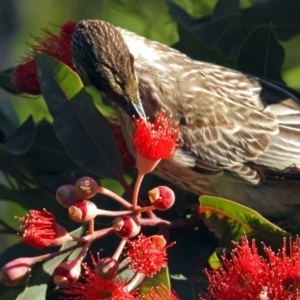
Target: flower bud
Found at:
65, 195
159, 240
126, 226
15, 271
67, 273
86, 187
161, 197
107, 268
82, 211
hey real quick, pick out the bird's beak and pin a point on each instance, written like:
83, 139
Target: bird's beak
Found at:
135, 108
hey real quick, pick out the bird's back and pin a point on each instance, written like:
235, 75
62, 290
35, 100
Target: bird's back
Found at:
245, 128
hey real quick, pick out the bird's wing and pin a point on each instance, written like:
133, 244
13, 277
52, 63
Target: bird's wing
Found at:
238, 122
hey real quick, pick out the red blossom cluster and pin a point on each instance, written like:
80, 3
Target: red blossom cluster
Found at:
248, 276
156, 140
25, 77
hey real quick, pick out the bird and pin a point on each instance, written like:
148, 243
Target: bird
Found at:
240, 134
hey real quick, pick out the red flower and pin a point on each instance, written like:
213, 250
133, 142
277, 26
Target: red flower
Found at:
39, 228
160, 293
24, 77
146, 255
158, 140
250, 276
94, 288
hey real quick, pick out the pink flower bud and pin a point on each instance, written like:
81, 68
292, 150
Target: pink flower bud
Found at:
86, 187
162, 197
65, 195
107, 268
126, 226
15, 271
82, 211
67, 273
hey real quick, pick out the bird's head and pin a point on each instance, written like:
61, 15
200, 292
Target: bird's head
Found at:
102, 58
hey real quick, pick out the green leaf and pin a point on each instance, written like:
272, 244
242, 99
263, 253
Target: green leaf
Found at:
22, 139
193, 47
261, 54
221, 34
159, 279
9, 118
230, 221
47, 155
87, 136
34, 199
105, 110
5, 80
225, 8
83, 131
214, 260
58, 81
197, 9
124, 272
283, 15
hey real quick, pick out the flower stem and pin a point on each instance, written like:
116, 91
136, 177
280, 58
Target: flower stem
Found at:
110, 213
114, 196
145, 209
119, 250
83, 251
53, 254
91, 227
135, 281
136, 189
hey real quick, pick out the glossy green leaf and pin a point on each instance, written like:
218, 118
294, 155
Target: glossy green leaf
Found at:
159, 279
105, 109
197, 9
230, 221
283, 15
34, 199
22, 139
124, 272
261, 54
221, 34
58, 81
225, 8
193, 47
5, 80
214, 260
47, 155
87, 136
84, 132
9, 118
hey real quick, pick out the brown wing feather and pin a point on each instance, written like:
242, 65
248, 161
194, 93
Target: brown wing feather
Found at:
227, 120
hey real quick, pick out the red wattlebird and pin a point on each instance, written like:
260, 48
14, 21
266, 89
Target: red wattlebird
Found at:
240, 134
